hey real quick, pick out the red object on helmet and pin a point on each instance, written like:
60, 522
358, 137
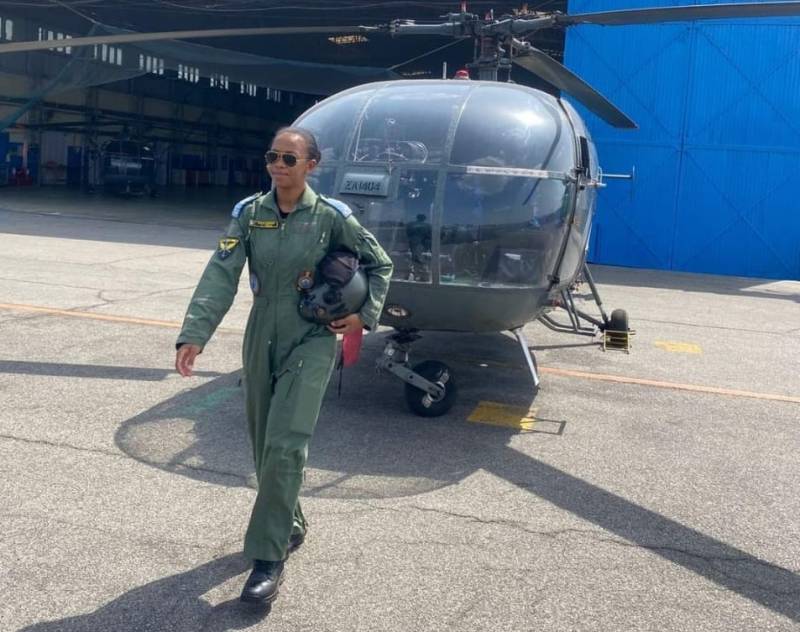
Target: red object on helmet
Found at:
462, 74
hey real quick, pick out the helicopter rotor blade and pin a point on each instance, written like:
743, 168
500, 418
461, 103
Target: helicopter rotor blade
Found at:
132, 37
676, 14
544, 66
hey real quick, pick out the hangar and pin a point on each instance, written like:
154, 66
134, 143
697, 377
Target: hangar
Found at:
204, 108
714, 156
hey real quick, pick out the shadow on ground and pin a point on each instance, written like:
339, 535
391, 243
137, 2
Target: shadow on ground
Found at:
92, 371
367, 446
174, 603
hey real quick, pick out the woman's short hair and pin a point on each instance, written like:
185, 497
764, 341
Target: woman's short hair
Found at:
308, 137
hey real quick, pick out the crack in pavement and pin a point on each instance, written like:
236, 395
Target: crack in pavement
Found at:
61, 285
139, 296
710, 559
136, 258
123, 456
768, 332
517, 525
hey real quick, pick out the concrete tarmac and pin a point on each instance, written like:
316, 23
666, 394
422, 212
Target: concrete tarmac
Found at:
655, 490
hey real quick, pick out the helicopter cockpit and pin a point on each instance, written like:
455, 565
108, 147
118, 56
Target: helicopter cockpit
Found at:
469, 184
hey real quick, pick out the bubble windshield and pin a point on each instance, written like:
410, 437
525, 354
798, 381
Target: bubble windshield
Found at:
467, 183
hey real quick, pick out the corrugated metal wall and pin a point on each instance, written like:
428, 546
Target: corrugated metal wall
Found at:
717, 155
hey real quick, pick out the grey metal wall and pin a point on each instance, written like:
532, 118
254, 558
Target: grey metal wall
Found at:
717, 155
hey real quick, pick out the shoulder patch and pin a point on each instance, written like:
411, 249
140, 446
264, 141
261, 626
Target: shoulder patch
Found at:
239, 207
344, 210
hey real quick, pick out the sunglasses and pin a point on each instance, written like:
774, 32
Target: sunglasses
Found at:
290, 160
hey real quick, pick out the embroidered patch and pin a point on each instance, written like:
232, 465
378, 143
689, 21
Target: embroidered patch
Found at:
239, 207
264, 223
340, 206
226, 246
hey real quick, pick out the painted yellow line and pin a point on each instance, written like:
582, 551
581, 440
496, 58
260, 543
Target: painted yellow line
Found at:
497, 414
678, 347
713, 390
93, 316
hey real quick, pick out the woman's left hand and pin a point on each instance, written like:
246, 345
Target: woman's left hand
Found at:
347, 325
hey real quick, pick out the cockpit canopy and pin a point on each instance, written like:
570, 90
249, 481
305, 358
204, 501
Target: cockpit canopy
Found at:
490, 165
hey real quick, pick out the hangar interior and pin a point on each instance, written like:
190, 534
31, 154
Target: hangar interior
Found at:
186, 114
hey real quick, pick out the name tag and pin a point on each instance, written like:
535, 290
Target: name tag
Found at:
264, 223
376, 184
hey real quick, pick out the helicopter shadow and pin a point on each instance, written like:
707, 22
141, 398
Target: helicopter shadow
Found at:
201, 432
359, 454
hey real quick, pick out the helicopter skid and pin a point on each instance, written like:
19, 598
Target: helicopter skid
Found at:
529, 357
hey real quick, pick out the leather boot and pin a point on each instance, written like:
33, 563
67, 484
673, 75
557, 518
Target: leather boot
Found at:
262, 585
295, 540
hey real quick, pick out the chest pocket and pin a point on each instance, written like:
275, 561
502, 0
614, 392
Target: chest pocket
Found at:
264, 240
309, 237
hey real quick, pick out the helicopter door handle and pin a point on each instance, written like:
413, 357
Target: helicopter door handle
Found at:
594, 184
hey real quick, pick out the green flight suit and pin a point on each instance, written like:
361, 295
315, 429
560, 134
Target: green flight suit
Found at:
287, 361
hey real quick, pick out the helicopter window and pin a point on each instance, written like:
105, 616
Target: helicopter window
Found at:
332, 123
402, 224
593, 160
501, 230
407, 124
509, 128
585, 161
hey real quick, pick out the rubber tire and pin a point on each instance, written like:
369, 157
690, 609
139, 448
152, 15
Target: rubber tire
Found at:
431, 371
618, 321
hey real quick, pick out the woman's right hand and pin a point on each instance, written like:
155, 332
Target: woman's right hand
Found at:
184, 359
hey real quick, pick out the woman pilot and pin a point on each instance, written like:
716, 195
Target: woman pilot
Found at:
287, 360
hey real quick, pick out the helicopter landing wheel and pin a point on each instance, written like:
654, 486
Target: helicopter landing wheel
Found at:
422, 403
617, 332
618, 320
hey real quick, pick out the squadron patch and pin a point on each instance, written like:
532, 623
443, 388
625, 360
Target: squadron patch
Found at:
226, 246
344, 210
239, 207
264, 223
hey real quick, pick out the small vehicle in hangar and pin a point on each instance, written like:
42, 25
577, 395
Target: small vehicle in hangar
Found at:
128, 168
481, 192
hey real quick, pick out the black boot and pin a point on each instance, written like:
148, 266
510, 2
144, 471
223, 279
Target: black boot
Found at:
295, 540
262, 585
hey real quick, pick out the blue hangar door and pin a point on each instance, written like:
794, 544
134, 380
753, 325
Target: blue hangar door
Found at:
717, 155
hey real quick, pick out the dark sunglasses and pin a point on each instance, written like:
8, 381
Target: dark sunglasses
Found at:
290, 160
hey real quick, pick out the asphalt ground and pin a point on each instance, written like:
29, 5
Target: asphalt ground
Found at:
655, 490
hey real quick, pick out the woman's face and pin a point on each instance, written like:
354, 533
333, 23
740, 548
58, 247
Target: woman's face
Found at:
283, 176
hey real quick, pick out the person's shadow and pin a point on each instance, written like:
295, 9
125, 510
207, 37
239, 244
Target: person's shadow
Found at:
176, 603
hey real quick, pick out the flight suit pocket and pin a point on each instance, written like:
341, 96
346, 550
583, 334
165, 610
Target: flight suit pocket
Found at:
307, 381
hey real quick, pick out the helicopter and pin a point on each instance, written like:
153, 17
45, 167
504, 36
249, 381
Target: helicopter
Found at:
482, 191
